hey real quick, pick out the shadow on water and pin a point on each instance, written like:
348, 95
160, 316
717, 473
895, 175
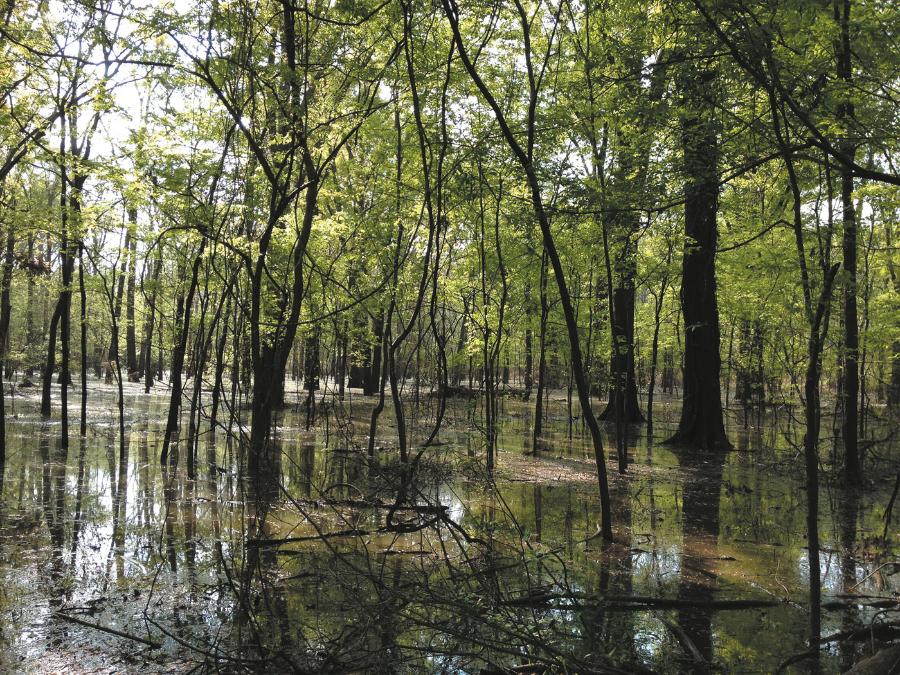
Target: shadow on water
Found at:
700, 523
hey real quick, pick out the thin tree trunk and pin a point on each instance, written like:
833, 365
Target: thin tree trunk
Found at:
217, 390
524, 158
117, 305
5, 314
654, 348
147, 351
82, 293
849, 431
178, 357
131, 358
538, 426
30, 337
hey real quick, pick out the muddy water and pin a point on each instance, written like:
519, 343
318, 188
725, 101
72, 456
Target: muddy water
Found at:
111, 563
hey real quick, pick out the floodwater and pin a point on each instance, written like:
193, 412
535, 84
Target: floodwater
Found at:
111, 563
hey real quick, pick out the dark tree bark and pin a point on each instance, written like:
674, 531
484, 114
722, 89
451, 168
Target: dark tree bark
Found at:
538, 427
701, 424
528, 375
849, 430
373, 377
893, 393
50, 365
311, 374
659, 302
218, 388
30, 337
382, 360
178, 352
341, 373
82, 294
160, 358
198, 357
131, 359
147, 349
117, 306
269, 355
622, 359
5, 314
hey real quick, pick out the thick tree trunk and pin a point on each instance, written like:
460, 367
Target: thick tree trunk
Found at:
269, 355
701, 424
160, 358
65, 332
262, 456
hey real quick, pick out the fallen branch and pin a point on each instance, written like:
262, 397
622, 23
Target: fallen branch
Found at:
107, 629
400, 528
878, 631
848, 604
685, 641
365, 504
577, 600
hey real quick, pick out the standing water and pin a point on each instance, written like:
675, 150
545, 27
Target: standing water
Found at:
111, 562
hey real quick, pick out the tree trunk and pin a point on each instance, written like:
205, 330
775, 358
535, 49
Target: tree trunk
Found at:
117, 307
622, 360
5, 313
849, 431
178, 357
82, 294
538, 427
147, 350
654, 349
30, 337
529, 344
218, 388
131, 359
701, 424
373, 379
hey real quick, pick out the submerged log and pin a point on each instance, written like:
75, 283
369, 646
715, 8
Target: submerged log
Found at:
883, 661
636, 602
